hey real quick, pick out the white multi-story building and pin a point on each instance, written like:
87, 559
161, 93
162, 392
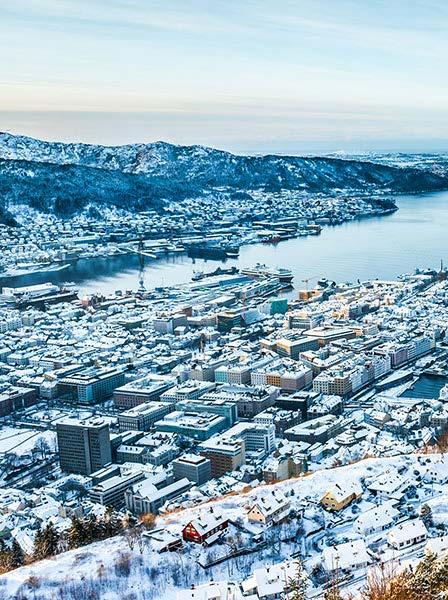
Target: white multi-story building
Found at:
256, 436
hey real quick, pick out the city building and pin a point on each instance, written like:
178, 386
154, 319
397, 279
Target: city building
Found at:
199, 426
16, 399
257, 437
140, 391
280, 418
230, 319
189, 390
225, 454
317, 430
92, 385
250, 400
111, 492
293, 347
84, 445
196, 469
338, 383
145, 497
212, 403
143, 416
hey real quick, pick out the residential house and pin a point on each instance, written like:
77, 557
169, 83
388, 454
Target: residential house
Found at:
270, 508
438, 545
377, 519
272, 582
437, 473
341, 495
407, 534
206, 529
216, 590
346, 557
389, 485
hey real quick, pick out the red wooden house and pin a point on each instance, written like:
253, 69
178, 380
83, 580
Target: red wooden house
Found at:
205, 529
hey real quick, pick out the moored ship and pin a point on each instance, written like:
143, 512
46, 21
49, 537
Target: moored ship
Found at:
260, 270
30, 268
213, 251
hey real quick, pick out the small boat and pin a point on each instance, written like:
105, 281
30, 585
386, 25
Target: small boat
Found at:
176, 248
233, 252
271, 239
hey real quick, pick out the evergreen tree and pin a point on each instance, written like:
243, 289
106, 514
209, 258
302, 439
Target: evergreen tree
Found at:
130, 521
442, 572
425, 578
92, 529
38, 544
46, 542
333, 591
113, 524
76, 534
4, 557
297, 585
426, 515
52, 538
17, 556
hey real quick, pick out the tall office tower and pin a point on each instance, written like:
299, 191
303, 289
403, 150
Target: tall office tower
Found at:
84, 445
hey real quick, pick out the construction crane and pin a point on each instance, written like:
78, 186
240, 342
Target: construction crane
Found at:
308, 279
141, 258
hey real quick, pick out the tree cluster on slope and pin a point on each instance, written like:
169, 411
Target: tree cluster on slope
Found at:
49, 541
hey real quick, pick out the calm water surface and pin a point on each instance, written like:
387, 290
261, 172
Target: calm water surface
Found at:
414, 236
426, 386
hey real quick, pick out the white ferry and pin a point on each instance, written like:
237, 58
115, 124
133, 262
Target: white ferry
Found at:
260, 270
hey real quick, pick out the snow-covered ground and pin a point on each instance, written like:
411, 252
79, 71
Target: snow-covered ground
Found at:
22, 441
119, 568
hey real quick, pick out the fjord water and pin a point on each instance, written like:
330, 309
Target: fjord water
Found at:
380, 247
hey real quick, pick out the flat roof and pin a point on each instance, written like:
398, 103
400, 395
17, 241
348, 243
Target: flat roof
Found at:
192, 459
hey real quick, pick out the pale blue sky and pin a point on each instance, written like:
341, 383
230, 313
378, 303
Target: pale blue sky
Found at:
246, 75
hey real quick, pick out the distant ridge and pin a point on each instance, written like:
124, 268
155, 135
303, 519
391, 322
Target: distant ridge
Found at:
64, 177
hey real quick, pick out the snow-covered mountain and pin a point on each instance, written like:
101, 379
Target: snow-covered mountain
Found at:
208, 166
140, 175
67, 188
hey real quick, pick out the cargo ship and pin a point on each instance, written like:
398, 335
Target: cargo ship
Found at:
284, 275
198, 275
213, 251
31, 268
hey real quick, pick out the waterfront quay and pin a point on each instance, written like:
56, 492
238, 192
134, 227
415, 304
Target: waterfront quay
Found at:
48, 244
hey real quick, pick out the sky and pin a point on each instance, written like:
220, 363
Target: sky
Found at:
287, 76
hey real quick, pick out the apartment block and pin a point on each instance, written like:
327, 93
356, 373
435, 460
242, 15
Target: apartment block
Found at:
225, 455
196, 469
84, 445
